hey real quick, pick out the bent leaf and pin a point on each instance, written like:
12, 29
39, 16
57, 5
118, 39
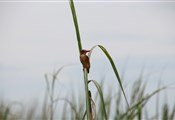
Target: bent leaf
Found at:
113, 67
101, 96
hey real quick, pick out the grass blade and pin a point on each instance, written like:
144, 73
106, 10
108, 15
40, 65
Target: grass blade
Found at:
72, 106
101, 96
71, 3
165, 112
114, 68
143, 101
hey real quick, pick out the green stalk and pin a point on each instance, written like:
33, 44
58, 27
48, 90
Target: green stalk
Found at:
80, 48
76, 24
87, 94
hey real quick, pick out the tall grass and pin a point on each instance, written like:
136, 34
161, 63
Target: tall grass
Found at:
88, 106
103, 107
75, 111
88, 103
136, 108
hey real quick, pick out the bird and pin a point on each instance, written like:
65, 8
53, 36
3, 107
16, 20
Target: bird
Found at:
85, 59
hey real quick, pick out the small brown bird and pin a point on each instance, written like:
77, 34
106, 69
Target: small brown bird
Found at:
85, 60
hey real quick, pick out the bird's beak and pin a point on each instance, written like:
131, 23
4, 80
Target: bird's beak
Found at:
87, 50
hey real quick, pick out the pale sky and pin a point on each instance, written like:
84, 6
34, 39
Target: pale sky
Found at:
38, 37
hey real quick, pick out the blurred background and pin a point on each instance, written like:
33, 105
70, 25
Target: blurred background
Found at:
39, 37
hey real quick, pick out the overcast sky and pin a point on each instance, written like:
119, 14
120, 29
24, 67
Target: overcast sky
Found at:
39, 37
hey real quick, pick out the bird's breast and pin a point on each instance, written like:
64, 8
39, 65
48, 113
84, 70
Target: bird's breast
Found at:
83, 57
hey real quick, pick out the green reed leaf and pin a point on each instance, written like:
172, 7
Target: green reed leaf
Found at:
71, 3
113, 67
101, 96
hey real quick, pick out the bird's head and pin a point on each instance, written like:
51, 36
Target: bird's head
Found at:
84, 51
